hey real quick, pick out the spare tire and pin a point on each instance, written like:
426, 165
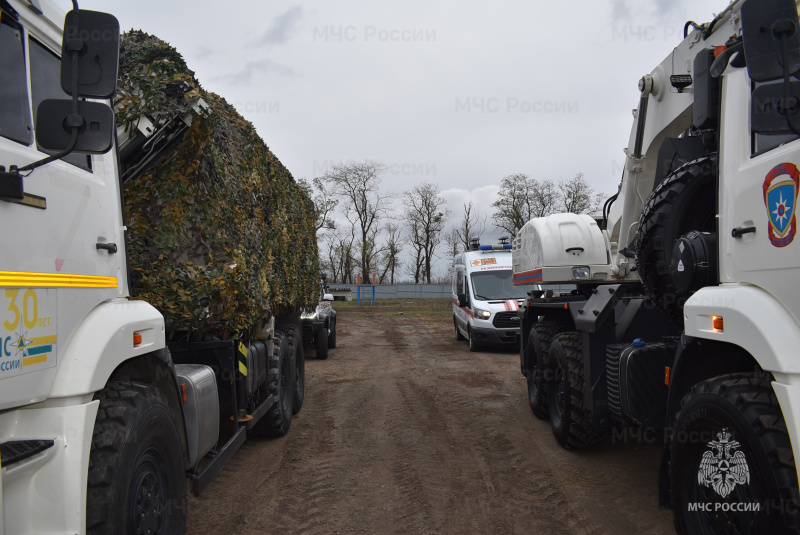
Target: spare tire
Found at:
684, 201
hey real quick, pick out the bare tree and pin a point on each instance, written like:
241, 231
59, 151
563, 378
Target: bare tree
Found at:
357, 184
324, 203
577, 196
472, 225
390, 259
522, 198
426, 220
337, 257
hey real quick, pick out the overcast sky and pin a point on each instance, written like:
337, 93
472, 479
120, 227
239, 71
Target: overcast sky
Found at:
459, 93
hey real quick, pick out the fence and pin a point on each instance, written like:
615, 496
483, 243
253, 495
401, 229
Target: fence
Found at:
412, 291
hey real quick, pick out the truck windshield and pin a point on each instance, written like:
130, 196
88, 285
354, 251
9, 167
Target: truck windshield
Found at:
490, 285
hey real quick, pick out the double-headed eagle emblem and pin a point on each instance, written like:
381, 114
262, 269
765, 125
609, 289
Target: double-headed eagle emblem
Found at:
724, 466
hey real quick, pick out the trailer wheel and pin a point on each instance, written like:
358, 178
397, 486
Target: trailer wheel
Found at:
280, 383
321, 343
299, 360
332, 336
459, 336
745, 406
682, 202
136, 482
565, 393
539, 340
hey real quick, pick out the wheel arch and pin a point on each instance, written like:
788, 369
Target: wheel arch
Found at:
103, 342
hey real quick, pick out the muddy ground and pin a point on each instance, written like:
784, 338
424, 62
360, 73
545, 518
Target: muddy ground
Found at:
405, 431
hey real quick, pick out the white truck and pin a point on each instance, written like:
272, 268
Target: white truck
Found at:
100, 422
485, 299
687, 313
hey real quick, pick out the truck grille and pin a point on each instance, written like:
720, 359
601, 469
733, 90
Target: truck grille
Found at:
506, 320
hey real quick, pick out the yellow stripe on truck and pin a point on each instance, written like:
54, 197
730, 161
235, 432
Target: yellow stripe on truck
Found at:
14, 279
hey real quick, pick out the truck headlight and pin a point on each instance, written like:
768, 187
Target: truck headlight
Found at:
580, 272
482, 314
309, 315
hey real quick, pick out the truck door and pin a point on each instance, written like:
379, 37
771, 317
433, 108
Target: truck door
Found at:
52, 272
759, 181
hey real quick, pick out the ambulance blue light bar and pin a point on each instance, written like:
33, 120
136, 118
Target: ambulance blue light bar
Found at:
495, 247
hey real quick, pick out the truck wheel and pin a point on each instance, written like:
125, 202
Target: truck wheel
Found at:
539, 340
565, 393
299, 360
280, 383
684, 201
459, 336
730, 447
473, 345
136, 482
332, 336
321, 343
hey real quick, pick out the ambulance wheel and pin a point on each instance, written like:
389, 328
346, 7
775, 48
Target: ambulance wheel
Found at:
299, 360
565, 393
682, 202
280, 383
539, 340
459, 336
321, 343
332, 336
716, 485
136, 482
473, 345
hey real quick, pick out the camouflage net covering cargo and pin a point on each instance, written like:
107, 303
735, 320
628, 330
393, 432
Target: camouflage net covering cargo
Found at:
221, 237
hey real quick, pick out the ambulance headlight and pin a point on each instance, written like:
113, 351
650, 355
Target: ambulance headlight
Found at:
482, 314
580, 273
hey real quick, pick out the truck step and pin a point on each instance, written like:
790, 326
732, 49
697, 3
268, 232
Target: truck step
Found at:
19, 450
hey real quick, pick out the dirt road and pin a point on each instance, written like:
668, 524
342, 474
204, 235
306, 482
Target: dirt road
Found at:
405, 431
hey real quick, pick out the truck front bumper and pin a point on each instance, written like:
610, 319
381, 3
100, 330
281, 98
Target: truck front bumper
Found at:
502, 337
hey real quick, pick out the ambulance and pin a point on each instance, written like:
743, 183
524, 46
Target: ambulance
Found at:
485, 299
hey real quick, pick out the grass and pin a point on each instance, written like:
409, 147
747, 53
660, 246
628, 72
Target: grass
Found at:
431, 309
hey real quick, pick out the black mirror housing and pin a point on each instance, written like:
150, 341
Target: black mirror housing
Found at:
95, 37
54, 122
765, 24
462, 300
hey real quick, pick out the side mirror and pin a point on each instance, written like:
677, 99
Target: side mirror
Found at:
771, 35
55, 122
327, 297
462, 300
95, 38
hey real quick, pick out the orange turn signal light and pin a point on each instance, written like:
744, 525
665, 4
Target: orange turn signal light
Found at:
137, 339
717, 323
667, 371
719, 50
183, 392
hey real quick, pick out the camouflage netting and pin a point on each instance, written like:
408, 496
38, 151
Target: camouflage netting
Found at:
220, 235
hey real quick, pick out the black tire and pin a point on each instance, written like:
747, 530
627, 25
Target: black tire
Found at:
321, 343
746, 406
682, 202
299, 360
280, 383
565, 393
332, 336
459, 336
136, 481
539, 340
473, 345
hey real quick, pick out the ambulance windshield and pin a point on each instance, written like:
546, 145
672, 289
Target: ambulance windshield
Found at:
489, 285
